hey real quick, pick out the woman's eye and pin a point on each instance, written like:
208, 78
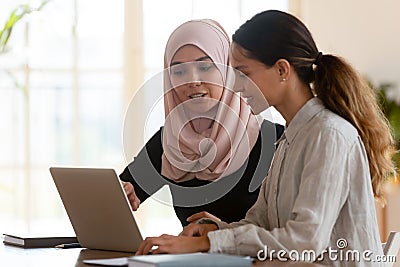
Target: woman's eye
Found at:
206, 67
242, 75
177, 71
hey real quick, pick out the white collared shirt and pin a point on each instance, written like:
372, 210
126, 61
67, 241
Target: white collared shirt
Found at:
317, 195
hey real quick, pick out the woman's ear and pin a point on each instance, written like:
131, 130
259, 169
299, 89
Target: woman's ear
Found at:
283, 68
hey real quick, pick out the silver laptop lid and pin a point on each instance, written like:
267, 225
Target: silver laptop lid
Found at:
98, 208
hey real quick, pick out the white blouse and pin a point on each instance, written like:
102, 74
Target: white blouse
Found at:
317, 198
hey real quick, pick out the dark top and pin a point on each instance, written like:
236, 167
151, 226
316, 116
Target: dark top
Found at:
233, 205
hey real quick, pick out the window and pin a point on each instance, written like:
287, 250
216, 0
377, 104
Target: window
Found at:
61, 91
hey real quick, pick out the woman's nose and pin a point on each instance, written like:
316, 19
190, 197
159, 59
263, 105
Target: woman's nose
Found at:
194, 78
238, 87
194, 83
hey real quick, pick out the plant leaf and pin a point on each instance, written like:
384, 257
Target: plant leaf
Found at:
16, 15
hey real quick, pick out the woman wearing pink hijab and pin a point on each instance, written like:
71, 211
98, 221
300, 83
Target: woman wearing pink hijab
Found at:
212, 150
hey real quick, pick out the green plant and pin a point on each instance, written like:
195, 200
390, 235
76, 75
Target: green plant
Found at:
16, 15
5, 33
391, 109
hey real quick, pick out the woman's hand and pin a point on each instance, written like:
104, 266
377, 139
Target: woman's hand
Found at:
174, 244
130, 193
195, 229
203, 214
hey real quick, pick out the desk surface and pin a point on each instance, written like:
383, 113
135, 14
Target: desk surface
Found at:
44, 257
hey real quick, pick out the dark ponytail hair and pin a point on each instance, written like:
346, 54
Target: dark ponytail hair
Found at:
273, 35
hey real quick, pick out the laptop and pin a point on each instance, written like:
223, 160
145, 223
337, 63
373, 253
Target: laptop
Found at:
98, 208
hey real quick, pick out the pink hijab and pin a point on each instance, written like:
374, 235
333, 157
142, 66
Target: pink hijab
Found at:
214, 144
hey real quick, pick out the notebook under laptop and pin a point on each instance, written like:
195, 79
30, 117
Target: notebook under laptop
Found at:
98, 208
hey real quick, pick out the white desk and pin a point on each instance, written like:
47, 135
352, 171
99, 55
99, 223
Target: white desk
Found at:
11, 256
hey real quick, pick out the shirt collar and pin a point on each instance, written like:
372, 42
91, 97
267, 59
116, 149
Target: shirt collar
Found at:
305, 114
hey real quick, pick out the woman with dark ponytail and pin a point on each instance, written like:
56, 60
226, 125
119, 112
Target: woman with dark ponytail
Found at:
330, 163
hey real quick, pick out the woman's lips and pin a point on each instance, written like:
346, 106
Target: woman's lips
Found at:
197, 95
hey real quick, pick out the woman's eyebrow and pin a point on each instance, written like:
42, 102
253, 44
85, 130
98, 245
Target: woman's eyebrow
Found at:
199, 59
175, 63
203, 58
240, 67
